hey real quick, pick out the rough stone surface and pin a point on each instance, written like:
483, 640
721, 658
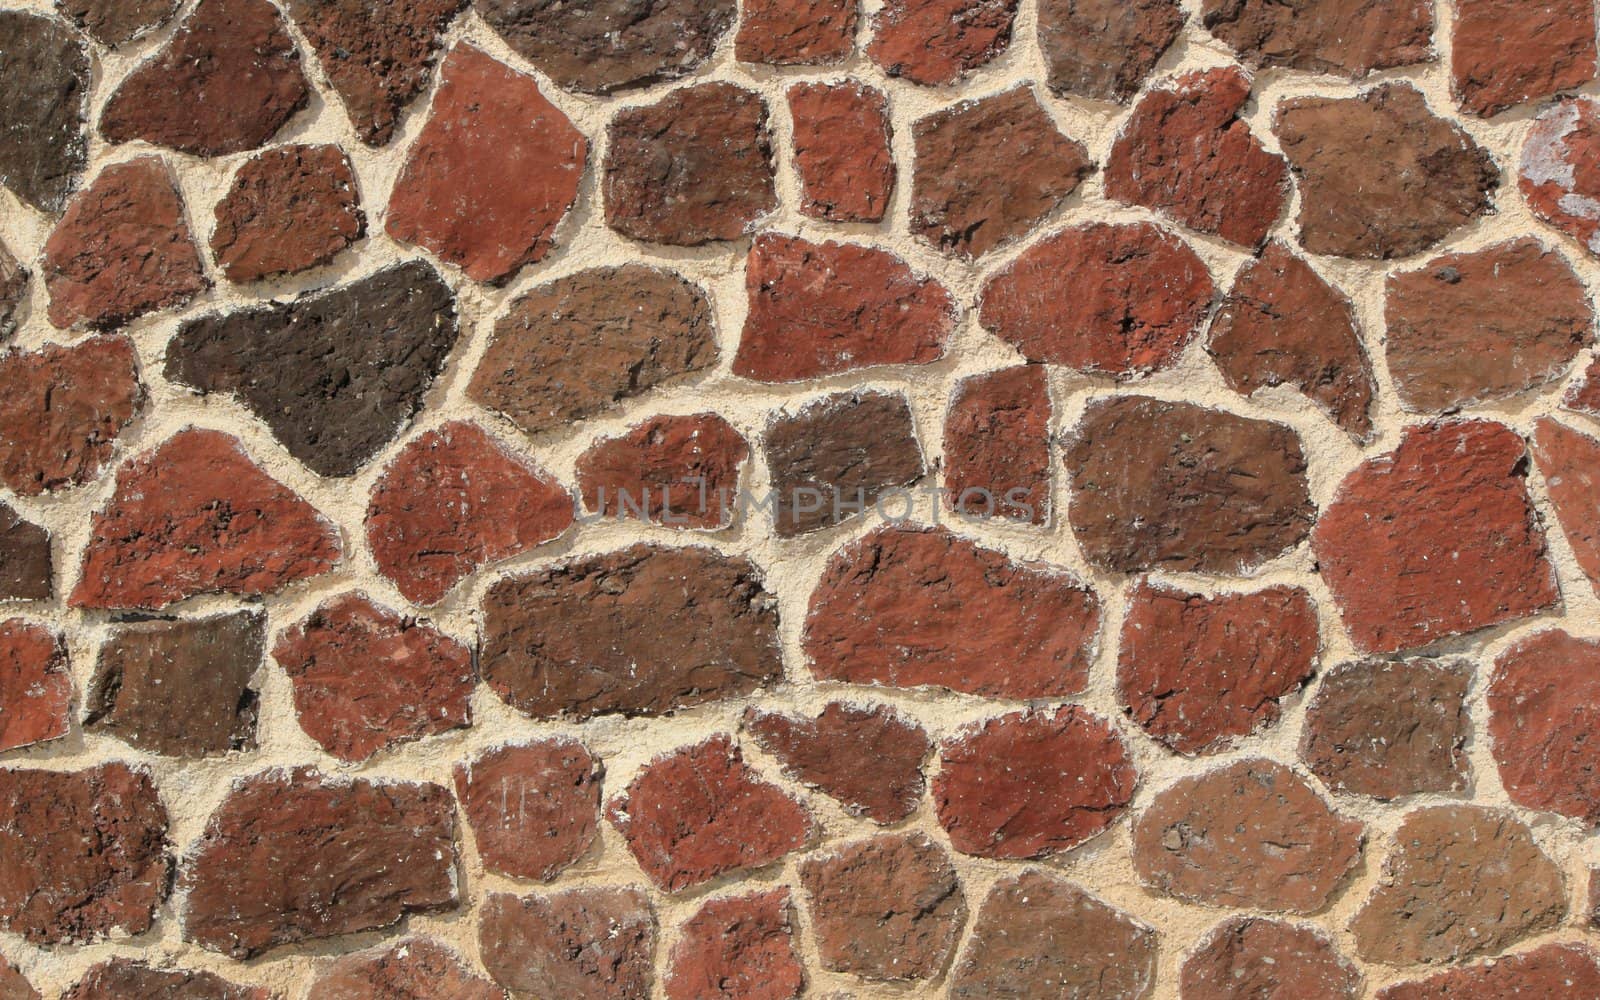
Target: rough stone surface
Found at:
125, 979
1251, 958
740, 948
1461, 881
869, 759
912, 607
180, 688
587, 944
534, 809
644, 631
366, 678
35, 685
13, 286
1104, 49
1345, 37
114, 23
938, 41
13, 985
227, 81
841, 150
839, 456
1584, 394
681, 472
296, 856
42, 108
967, 205
414, 969
1388, 729
1504, 53
62, 411
997, 445
26, 566
796, 32
1253, 834
1553, 972
1569, 461
1381, 175
578, 346
888, 908
1557, 176
1542, 712
1198, 673
289, 209
1435, 539
1176, 486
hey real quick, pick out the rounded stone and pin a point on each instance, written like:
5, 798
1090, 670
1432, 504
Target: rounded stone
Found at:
737, 948
534, 809
1252, 958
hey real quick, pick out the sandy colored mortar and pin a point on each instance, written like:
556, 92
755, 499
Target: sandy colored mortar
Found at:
192, 790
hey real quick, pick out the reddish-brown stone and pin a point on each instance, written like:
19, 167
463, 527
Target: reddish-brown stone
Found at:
1115, 299
839, 456
700, 811
366, 679
114, 23
414, 969
586, 944
870, 760
13, 286
125, 979
42, 108
1186, 153
739, 948
841, 150
796, 32
195, 515
534, 809
682, 472
820, 309
1558, 175
35, 685
939, 41
1380, 174
122, 249
967, 205
1460, 881
997, 445
1104, 49
1032, 784
227, 81
456, 499
1387, 729
13, 985
289, 209
888, 908
1584, 394
296, 856
645, 630
83, 854
1570, 464
1176, 486
1251, 958
1346, 37
27, 569
1553, 972
1282, 324
910, 607
1252, 834
1198, 673
492, 173
1435, 539
1542, 714
62, 411
1504, 52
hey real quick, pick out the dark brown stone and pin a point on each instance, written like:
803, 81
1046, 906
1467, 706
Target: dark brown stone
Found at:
1542, 714
1553, 972
289, 209
414, 969
42, 109
841, 150
296, 856
740, 948
1251, 958
585, 944
939, 41
642, 631
796, 32
180, 688
1557, 175
997, 445
114, 23
13, 985
1569, 461
1346, 37
13, 286
26, 566
1104, 49
681, 472
534, 809
1504, 52
839, 456
870, 760
35, 685
125, 979
62, 411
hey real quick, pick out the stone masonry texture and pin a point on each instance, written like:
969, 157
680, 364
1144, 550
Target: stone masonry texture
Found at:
778, 499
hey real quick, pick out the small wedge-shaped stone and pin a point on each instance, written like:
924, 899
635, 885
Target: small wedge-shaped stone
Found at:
27, 569
35, 685
828, 753
42, 108
1569, 461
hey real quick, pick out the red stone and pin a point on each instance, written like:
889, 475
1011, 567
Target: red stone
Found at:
1584, 394
870, 760
1552, 972
939, 41
997, 445
289, 209
1570, 464
534, 809
841, 150
740, 948
1031, 784
796, 32
35, 685
1104, 49
1251, 958
366, 679
699, 812
62, 411
586, 944
1346, 37
1505, 52
114, 23
1558, 175
1435, 539
195, 515
682, 472
1121, 300
13, 985
414, 969
493, 172
456, 499
1542, 714
125, 979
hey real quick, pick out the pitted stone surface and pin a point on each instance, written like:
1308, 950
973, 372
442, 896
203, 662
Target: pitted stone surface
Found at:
27, 568
123, 979
739, 948
534, 809
1252, 958
838, 457
796, 32
1552, 972
842, 151
35, 685
587, 944
289, 209
997, 445
1345, 37
62, 411
1504, 53
1541, 705
870, 760
938, 41
1104, 49
681, 472
43, 148
114, 23
414, 969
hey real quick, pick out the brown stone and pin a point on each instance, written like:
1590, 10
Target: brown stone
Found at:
1542, 713
585, 944
195, 515
1251, 958
841, 150
1504, 52
997, 445
13, 287
122, 249
1388, 729
1199, 673
939, 41
35, 685
1553, 972
681, 472
1558, 177
888, 908
1435, 539
580, 345
82, 853
42, 108
740, 948
910, 607
493, 172
967, 205
1176, 486
1460, 881
1569, 461
227, 81
366, 679
1381, 175
180, 688
289, 209
1282, 324
125, 979
819, 309
1253, 834
700, 811
694, 167
114, 23
839, 456
13, 985
1038, 936
796, 32
1115, 299
414, 969
454, 500
534, 809
644, 631
1031, 784
1104, 49
1346, 37
870, 760
293, 855
1583, 396
62, 411
1187, 154
26, 565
